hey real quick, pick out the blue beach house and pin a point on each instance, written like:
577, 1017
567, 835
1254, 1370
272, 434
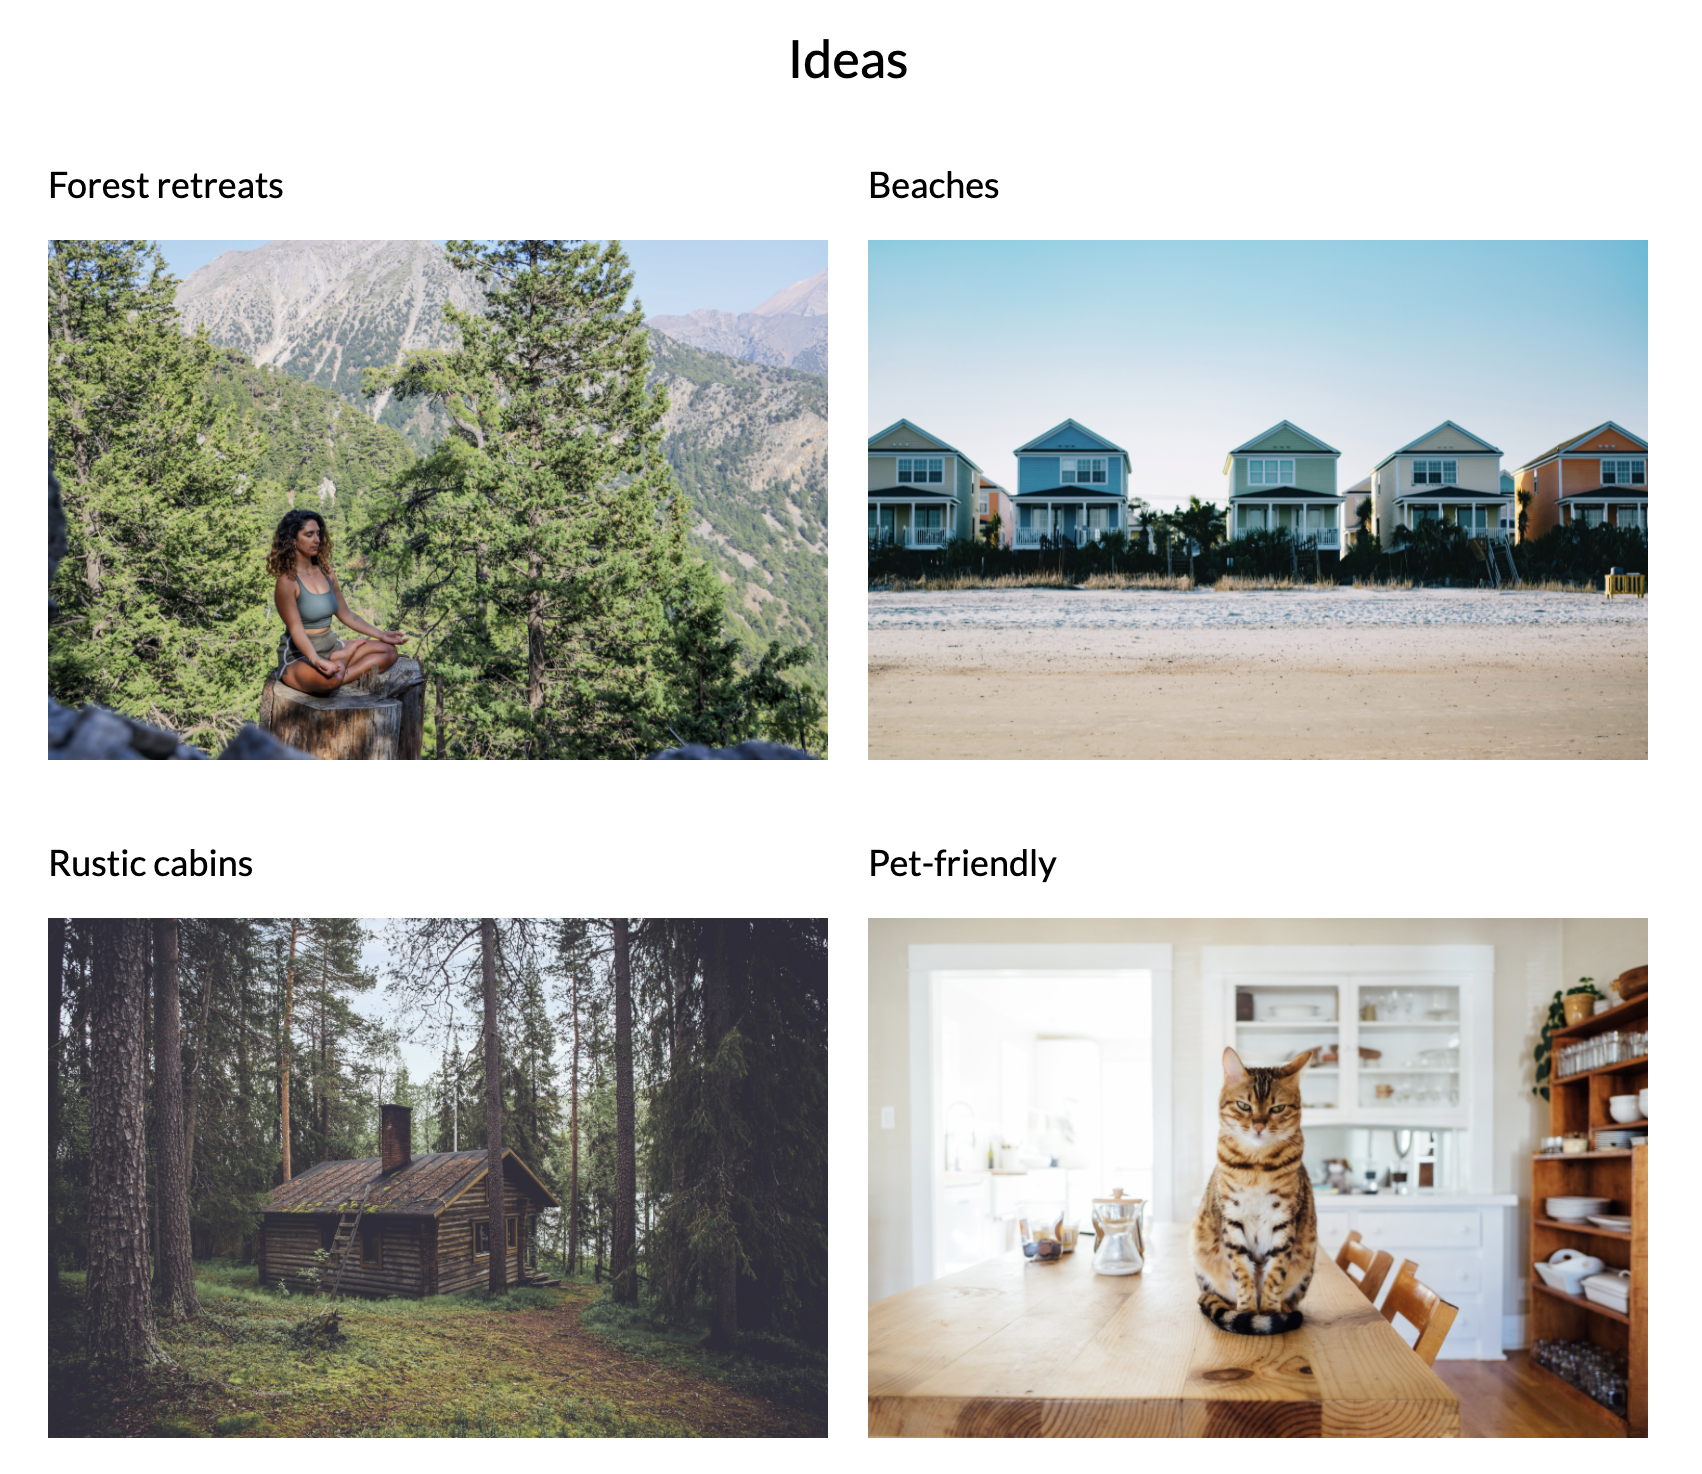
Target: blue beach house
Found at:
1070, 484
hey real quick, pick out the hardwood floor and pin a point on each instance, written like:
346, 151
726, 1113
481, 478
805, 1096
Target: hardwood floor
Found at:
1508, 1399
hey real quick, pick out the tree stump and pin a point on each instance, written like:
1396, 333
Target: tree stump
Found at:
378, 715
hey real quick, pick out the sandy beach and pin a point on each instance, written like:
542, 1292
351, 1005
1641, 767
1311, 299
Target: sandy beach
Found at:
1343, 673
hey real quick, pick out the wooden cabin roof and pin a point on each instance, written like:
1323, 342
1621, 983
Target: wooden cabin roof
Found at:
424, 1188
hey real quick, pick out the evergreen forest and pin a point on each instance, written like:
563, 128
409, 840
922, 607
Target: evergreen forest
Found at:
665, 1080
565, 594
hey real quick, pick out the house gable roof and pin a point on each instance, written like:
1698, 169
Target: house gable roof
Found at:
422, 1189
1577, 440
1070, 435
1284, 435
1452, 494
1447, 436
904, 435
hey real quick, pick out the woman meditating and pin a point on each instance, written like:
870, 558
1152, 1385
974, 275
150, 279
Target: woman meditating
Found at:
311, 658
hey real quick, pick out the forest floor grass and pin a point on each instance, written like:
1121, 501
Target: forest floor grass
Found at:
518, 1365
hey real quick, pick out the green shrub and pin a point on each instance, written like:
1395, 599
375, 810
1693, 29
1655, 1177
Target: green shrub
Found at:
238, 1423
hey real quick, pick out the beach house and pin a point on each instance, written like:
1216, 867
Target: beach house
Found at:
993, 501
922, 491
1600, 476
1071, 485
1285, 479
1446, 475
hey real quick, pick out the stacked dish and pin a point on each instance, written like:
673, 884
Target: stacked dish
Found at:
1617, 1222
1577, 1210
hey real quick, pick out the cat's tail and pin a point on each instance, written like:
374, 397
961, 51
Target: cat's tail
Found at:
1226, 1317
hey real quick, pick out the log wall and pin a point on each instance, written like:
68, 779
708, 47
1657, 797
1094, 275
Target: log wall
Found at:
291, 1239
457, 1268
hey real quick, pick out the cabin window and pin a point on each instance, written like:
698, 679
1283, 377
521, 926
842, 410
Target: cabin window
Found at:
1622, 473
371, 1248
481, 1240
921, 470
513, 1233
1270, 473
1082, 470
1435, 473
327, 1232
981, 505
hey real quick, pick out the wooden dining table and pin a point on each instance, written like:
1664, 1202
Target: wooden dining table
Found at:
1014, 1348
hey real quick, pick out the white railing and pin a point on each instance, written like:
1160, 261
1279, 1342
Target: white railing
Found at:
927, 537
1029, 537
911, 537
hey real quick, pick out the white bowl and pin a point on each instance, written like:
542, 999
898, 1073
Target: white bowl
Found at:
1577, 1210
1623, 1108
1572, 1267
1549, 1275
1643, 1101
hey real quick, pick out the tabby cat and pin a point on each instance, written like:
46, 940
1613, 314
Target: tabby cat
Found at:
1257, 1231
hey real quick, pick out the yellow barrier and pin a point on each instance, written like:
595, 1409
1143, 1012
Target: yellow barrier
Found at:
1627, 583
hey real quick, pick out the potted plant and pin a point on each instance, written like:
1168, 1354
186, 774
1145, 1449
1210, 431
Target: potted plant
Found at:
1580, 1001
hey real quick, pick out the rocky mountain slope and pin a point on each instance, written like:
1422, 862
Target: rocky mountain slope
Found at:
748, 443
789, 330
324, 310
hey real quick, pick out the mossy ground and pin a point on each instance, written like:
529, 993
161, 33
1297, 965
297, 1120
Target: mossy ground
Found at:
518, 1365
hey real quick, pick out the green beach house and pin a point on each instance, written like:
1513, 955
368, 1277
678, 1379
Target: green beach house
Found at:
1285, 479
922, 491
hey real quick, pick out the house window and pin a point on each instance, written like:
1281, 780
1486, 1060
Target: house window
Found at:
327, 1232
1025, 518
513, 1233
481, 1241
1435, 473
930, 517
1425, 514
1474, 519
1082, 470
1622, 473
981, 505
921, 471
371, 1248
1270, 473
1252, 519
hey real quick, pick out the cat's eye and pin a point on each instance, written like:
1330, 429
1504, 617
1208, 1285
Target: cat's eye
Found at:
1278, 1110
1242, 1105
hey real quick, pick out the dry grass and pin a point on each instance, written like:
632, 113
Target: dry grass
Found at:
1177, 583
1384, 583
956, 581
1235, 582
1552, 586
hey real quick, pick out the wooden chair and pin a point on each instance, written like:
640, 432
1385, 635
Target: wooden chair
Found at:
1422, 1306
1374, 1265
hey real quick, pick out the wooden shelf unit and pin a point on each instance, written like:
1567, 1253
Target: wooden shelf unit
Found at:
1579, 1103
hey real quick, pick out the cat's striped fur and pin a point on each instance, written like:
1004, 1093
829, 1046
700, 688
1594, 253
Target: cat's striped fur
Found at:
1256, 1233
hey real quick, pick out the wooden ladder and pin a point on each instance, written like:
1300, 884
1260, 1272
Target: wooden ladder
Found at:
345, 1239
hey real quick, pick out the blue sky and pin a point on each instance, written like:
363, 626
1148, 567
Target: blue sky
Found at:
673, 277
1179, 351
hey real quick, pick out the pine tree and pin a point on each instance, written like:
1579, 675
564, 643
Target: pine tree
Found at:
173, 1270
120, 1301
536, 531
162, 598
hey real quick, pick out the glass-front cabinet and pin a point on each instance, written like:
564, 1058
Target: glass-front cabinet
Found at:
1400, 1043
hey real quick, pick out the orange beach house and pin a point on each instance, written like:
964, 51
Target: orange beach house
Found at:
1601, 476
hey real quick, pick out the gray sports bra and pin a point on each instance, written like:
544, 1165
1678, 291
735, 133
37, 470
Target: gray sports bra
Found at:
315, 609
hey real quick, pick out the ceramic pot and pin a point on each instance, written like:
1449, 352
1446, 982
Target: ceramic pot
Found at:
1578, 1007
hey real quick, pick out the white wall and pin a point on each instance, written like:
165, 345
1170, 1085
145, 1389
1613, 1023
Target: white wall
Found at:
1532, 960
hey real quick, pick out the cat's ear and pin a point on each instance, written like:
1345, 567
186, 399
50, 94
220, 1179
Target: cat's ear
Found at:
1295, 1065
1233, 1070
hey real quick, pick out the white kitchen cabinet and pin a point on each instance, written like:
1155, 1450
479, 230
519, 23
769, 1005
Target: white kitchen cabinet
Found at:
1458, 1241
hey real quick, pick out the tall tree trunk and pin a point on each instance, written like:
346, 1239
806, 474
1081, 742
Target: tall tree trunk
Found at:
174, 1269
573, 1130
623, 1258
192, 1107
55, 1007
324, 1059
493, 1107
717, 1021
120, 1316
284, 1050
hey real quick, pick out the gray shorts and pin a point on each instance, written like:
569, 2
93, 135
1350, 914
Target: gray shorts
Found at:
324, 643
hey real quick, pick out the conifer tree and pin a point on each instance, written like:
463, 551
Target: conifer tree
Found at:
162, 597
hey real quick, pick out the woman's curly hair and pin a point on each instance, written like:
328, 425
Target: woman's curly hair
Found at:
280, 562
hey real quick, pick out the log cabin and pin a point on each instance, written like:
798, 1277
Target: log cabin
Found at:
425, 1229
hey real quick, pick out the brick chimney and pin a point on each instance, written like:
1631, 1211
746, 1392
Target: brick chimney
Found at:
396, 1134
